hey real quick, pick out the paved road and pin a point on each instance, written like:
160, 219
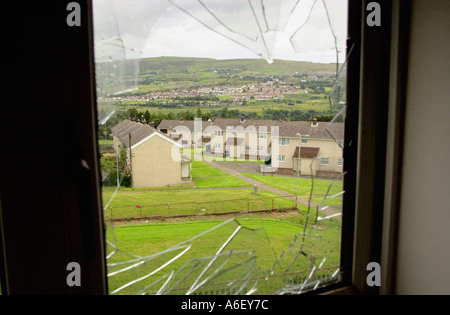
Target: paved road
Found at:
221, 166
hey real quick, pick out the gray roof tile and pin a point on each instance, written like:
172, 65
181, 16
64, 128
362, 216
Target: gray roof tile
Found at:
286, 128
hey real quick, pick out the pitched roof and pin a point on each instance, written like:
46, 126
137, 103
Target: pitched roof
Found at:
285, 128
137, 130
306, 152
167, 124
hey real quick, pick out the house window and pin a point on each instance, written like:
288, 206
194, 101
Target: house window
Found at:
262, 135
340, 162
260, 148
247, 147
218, 133
217, 145
282, 158
325, 161
304, 141
284, 141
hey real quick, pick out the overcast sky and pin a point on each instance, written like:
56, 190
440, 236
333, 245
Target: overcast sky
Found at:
157, 28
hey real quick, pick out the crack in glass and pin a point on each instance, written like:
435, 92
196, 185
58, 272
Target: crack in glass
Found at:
228, 258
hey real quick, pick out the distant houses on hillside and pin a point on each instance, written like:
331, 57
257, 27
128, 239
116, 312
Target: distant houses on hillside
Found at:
257, 91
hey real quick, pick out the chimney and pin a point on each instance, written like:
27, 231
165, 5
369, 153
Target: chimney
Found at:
181, 119
314, 123
285, 119
242, 119
152, 124
145, 121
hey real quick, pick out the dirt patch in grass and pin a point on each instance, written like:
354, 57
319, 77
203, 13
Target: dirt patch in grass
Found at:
224, 217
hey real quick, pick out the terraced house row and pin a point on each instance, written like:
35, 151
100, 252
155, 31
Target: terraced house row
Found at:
315, 148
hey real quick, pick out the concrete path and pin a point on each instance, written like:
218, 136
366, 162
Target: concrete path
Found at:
305, 202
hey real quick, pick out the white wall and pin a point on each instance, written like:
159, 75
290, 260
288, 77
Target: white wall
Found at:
423, 265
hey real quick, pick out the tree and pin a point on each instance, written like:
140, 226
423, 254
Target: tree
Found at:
199, 113
147, 116
187, 115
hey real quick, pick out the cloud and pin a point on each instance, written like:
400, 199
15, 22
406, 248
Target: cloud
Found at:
178, 34
157, 28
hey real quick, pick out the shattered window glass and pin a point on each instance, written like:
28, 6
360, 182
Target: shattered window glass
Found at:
227, 254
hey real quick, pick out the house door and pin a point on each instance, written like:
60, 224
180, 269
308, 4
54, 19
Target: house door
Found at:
185, 170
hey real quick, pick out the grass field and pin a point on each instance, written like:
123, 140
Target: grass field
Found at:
186, 66
193, 201
321, 187
267, 237
206, 176
203, 199
320, 105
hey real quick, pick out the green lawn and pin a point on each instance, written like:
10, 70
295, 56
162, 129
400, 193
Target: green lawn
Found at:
320, 188
289, 184
125, 205
272, 241
220, 181
206, 176
147, 239
202, 169
105, 142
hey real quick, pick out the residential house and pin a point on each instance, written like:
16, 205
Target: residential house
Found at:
154, 159
315, 147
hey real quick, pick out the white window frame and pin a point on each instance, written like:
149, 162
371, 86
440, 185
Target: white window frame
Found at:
285, 142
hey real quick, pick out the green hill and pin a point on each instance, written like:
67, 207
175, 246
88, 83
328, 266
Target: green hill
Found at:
160, 65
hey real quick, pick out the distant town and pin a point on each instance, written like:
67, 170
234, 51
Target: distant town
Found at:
266, 87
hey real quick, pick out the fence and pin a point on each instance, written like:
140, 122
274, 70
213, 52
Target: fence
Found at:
184, 209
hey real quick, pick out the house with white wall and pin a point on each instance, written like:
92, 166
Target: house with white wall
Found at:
153, 159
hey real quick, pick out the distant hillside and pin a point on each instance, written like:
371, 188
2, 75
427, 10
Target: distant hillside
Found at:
236, 66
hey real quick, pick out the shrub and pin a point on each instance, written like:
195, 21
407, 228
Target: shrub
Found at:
126, 181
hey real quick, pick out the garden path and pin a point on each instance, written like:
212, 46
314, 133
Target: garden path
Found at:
305, 202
